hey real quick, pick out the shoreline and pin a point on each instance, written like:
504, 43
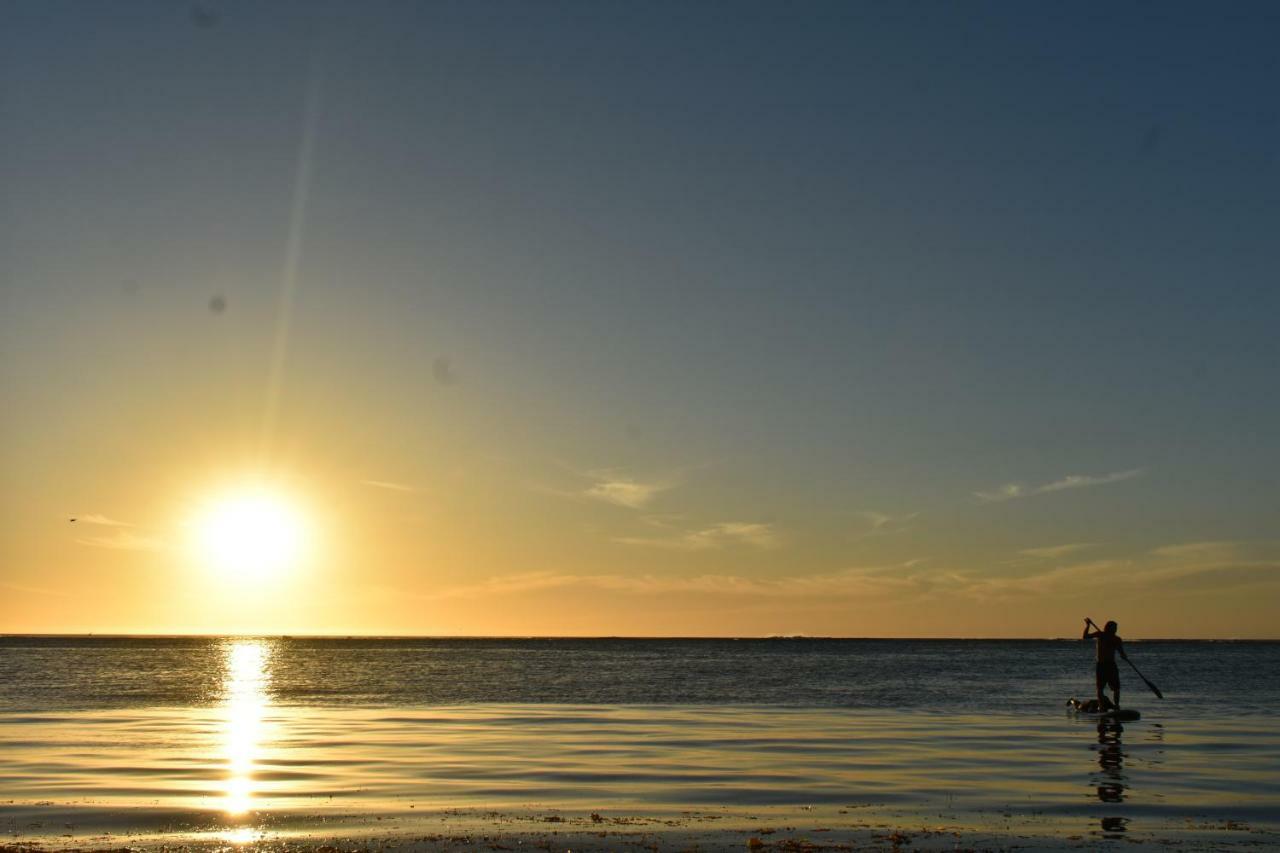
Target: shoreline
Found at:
714, 828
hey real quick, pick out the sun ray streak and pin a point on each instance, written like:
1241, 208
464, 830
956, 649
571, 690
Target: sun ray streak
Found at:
293, 253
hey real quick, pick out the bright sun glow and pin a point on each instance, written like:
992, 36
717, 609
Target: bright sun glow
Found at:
249, 534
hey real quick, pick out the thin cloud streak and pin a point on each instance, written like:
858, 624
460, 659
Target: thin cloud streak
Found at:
885, 522
1052, 552
907, 582
1196, 549
1012, 491
1169, 569
847, 582
625, 492
720, 535
391, 486
97, 518
124, 541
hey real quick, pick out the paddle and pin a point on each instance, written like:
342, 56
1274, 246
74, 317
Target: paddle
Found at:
1154, 689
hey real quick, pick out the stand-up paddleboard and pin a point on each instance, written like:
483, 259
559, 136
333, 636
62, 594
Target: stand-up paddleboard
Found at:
1120, 715
1109, 715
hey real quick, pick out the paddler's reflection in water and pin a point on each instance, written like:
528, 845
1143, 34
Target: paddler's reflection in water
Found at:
1111, 780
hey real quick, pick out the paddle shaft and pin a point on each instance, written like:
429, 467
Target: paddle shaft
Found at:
1154, 689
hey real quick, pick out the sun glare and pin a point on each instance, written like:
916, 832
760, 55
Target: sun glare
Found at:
249, 534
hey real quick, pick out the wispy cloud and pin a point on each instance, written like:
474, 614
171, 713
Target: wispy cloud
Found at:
610, 485
1171, 569
753, 534
1068, 579
624, 491
909, 581
391, 486
1197, 549
1010, 491
1052, 552
122, 540
869, 581
122, 536
883, 521
748, 533
97, 518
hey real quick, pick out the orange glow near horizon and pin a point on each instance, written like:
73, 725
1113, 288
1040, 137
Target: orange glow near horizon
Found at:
321, 542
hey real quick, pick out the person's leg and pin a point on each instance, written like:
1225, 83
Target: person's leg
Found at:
1100, 679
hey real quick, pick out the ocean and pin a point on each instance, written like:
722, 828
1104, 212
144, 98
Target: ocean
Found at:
710, 742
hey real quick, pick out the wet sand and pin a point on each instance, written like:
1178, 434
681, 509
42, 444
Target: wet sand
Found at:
714, 829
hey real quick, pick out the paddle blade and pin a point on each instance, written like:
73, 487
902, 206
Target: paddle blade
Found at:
1138, 672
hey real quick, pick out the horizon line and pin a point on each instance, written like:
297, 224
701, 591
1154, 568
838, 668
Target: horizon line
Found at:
317, 636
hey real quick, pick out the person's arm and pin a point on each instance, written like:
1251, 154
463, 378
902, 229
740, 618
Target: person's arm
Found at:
1120, 648
1087, 635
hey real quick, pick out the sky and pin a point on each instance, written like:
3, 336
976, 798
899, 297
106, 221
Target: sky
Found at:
734, 319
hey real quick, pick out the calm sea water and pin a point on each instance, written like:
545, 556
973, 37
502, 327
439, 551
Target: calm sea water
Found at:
928, 675
192, 735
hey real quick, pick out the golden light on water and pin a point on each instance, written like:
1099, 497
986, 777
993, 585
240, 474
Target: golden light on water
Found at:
240, 835
246, 683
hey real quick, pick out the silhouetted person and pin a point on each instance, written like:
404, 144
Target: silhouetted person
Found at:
1109, 643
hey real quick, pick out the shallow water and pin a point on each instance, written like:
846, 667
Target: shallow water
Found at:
271, 733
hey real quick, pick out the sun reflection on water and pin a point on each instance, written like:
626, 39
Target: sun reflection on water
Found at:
239, 835
248, 676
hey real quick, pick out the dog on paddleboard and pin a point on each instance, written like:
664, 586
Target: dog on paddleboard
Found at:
1091, 706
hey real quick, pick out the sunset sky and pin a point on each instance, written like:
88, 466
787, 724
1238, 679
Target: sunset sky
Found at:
857, 319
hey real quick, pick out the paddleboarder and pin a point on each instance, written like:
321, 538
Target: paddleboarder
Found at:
1109, 644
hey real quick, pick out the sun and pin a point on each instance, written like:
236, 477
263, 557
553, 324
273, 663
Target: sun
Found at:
252, 533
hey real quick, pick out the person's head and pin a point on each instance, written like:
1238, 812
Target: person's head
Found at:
1111, 627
